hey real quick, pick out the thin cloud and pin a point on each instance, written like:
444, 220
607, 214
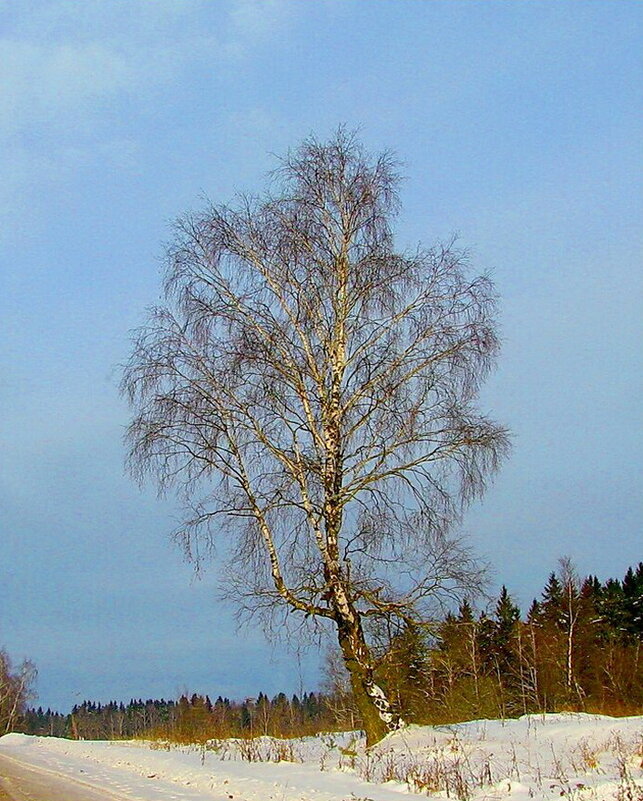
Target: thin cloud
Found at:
65, 67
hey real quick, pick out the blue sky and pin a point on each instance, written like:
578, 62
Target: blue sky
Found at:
519, 127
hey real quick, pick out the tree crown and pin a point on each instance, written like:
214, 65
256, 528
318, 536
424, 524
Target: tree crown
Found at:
314, 389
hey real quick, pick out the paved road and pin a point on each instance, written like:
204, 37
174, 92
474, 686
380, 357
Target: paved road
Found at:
20, 782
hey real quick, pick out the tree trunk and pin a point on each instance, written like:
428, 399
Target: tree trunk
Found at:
378, 716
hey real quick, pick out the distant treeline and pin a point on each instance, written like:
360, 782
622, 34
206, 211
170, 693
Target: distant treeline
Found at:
190, 719
578, 648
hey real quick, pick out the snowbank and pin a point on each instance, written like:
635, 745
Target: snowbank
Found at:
574, 756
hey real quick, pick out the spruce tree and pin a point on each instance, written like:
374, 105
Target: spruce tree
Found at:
552, 604
633, 601
465, 612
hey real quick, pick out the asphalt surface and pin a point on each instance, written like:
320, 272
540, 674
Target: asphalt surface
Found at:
20, 782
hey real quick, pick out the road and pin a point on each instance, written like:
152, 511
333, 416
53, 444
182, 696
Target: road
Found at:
20, 782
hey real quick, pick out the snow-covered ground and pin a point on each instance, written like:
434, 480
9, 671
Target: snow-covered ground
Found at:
573, 756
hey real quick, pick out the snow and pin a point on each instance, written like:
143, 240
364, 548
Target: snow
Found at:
575, 756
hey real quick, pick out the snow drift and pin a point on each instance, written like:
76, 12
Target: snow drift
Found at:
574, 756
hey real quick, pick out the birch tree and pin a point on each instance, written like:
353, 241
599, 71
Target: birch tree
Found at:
312, 391
15, 690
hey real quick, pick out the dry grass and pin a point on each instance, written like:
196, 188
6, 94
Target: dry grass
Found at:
460, 769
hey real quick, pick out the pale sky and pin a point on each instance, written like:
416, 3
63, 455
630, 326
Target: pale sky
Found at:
519, 128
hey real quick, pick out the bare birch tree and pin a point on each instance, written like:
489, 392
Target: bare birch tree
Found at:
15, 690
313, 391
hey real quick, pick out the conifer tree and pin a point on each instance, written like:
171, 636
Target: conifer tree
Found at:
551, 606
633, 601
465, 612
507, 614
